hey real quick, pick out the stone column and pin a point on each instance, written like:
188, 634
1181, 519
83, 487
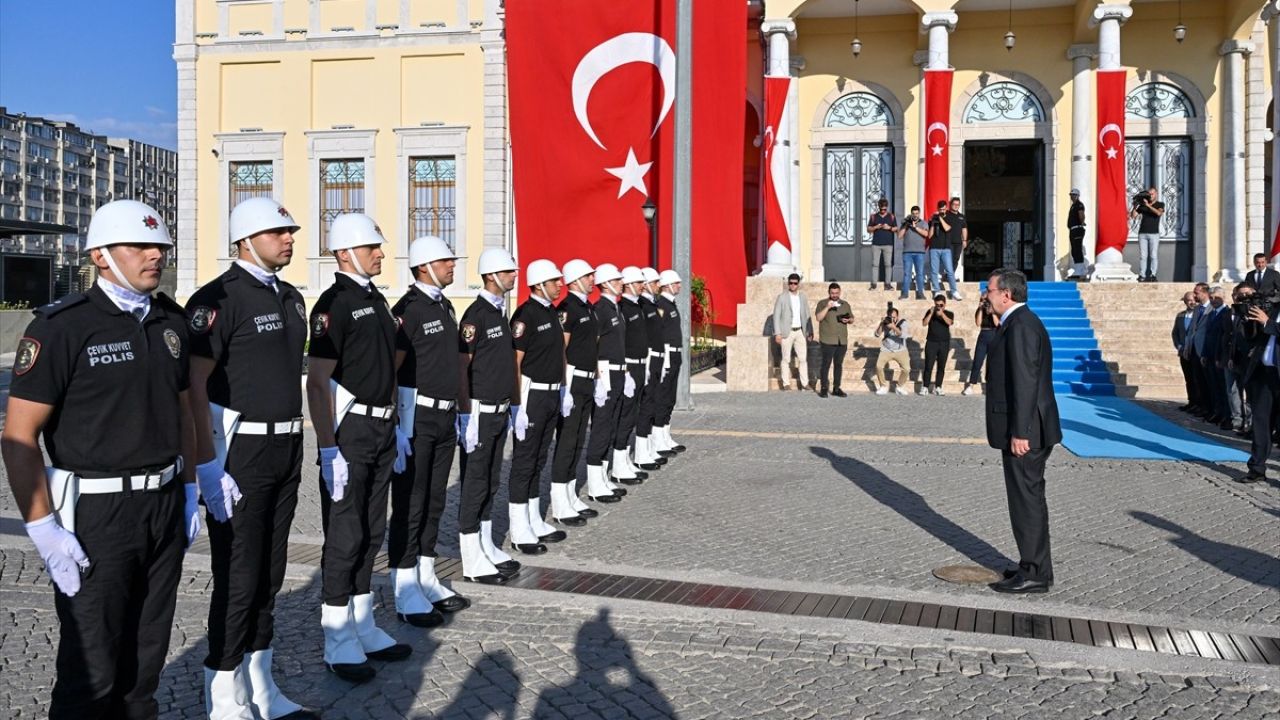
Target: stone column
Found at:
1082, 140
1233, 200
1271, 15
1110, 263
185, 52
778, 35
496, 226
938, 26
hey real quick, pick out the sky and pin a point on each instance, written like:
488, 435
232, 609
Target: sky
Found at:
106, 65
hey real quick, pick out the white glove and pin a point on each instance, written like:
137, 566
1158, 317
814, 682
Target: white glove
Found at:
519, 421
404, 448
628, 384
470, 433
191, 513
333, 468
602, 392
63, 557
666, 365
220, 491
566, 401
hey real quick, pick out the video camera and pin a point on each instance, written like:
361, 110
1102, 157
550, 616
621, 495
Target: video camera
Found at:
1266, 303
1141, 198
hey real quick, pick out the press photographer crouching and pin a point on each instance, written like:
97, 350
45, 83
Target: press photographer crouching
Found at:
893, 349
1262, 382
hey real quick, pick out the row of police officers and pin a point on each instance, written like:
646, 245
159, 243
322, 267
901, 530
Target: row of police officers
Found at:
149, 410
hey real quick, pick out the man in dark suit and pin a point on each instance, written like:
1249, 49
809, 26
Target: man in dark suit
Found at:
1213, 359
1181, 325
1262, 278
1191, 350
1262, 385
1022, 423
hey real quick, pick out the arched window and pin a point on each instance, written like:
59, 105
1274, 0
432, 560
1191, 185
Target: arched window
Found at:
858, 109
1157, 101
1004, 102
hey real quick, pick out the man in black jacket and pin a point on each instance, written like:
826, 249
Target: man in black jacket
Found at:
1181, 328
1022, 422
1262, 384
1263, 279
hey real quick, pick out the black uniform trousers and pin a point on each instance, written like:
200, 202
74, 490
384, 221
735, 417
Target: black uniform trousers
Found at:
1028, 511
1264, 390
604, 421
629, 413
250, 550
667, 401
418, 494
985, 336
529, 456
1203, 401
115, 631
832, 355
571, 432
1076, 235
481, 471
649, 398
354, 526
935, 362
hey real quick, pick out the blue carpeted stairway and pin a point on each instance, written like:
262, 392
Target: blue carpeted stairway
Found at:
1077, 361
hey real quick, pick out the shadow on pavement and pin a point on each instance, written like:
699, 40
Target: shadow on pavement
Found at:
493, 682
1244, 563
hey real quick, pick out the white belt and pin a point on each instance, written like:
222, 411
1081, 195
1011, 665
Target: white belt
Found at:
677, 348
435, 404
284, 427
487, 408
374, 411
137, 483
655, 353
614, 366
583, 374
637, 361
543, 386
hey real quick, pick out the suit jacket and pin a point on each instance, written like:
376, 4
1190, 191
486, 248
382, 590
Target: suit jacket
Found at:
782, 320
1199, 328
1258, 336
1269, 284
1180, 330
1217, 329
1020, 401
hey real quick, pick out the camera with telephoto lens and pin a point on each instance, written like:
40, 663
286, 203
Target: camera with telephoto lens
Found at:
1265, 303
1141, 199
888, 315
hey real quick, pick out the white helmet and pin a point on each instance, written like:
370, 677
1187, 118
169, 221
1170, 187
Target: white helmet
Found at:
429, 248
126, 222
668, 277
576, 268
353, 230
632, 274
257, 214
607, 272
540, 271
495, 259
650, 275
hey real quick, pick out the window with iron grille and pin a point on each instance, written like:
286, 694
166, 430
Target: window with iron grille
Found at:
250, 180
341, 191
433, 202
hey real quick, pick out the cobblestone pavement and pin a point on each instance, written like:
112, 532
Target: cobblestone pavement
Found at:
863, 495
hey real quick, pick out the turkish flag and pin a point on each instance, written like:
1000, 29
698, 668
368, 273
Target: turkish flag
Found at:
776, 92
1275, 245
1113, 208
592, 90
937, 139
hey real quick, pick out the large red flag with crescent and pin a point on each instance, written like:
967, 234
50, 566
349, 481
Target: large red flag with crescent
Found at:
937, 139
592, 95
776, 92
1113, 208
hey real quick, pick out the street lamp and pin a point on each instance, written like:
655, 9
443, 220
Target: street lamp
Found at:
650, 212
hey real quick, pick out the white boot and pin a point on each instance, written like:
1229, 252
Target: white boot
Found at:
491, 551
608, 480
475, 564
669, 441
540, 526
341, 644
597, 486
225, 695
372, 638
644, 452
562, 498
621, 469
432, 588
410, 600
660, 442
268, 702
631, 462
518, 530
574, 498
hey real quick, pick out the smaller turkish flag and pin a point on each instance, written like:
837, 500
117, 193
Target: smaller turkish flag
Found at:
1113, 210
937, 138
1275, 244
776, 90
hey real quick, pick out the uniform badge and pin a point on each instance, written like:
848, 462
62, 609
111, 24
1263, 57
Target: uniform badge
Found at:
25, 358
202, 319
302, 311
662, 313
564, 318
517, 329
172, 342
468, 332
319, 324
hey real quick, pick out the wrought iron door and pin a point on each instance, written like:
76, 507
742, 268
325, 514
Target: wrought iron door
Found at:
855, 178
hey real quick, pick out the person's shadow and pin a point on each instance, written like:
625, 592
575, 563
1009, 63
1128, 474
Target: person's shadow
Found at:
607, 672
493, 682
1244, 563
912, 506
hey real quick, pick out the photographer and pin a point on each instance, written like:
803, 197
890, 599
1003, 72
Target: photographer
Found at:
1262, 383
883, 227
893, 349
987, 322
915, 241
1150, 209
937, 345
834, 316
940, 255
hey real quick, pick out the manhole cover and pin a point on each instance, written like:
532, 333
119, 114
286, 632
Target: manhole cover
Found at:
966, 574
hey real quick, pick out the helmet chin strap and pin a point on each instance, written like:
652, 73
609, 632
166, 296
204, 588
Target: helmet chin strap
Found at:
257, 260
355, 263
432, 274
115, 270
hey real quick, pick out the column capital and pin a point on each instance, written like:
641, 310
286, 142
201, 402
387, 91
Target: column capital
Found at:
1079, 51
946, 18
920, 58
1270, 11
778, 25
1117, 12
1244, 47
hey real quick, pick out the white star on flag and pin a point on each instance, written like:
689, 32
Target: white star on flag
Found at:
937, 149
1111, 153
631, 174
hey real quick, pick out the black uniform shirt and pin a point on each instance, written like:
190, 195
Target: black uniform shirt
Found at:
671, 333
539, 335
113, 382
637, 344
485, 335
612, 331
652, 323
578, 319
255, 336
1075, 216
354, 326
429, 337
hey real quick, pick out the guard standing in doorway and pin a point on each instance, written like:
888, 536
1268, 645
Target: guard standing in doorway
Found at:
610, 383
673, 339
102, 376
646, 456
351, 388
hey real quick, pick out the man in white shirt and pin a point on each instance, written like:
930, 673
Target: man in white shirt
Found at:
793, 330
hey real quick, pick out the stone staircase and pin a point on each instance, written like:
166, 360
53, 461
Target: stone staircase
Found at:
1133, 324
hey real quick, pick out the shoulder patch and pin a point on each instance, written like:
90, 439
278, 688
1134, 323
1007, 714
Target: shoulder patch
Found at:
25, 358
319, 324
202, 318
172, 342
302, 310
468, 331
517, 329
61, 304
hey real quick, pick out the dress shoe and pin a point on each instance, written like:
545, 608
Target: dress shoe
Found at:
357, 673
839, 393
399, 651
528, 549
1019, 585
1011, 572
588, 513
1245, 431
1252, 477
574, 521
605, 498
1184, 408
629, 481
452, 604
822, 393
554, 537
498, 579
423, 620
1227, 425
509, 569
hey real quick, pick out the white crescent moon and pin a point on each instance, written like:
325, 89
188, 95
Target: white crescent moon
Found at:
616, 52
1108, 128
946, 135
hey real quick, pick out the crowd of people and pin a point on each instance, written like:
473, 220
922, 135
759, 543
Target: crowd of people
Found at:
160, 420
939, 242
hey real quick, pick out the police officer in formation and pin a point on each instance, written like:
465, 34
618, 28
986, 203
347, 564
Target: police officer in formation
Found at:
351, 389
646, 456
114, 514
637, 362
248, 328
673, 344
428, 377
611, 383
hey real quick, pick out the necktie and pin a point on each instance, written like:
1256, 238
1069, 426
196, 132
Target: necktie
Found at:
139, 314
